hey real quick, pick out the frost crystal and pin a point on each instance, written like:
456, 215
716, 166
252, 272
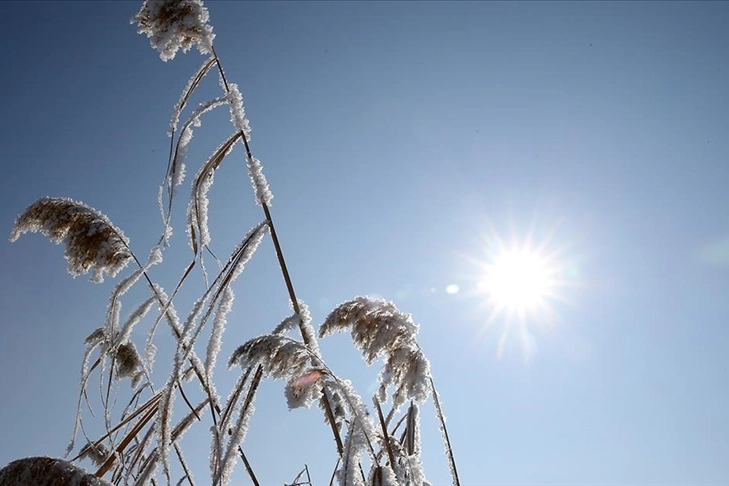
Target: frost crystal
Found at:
216, 336
237, 111
301, 320
189, 88
177, 168
92, 242
175, 24
255, 168
260, 184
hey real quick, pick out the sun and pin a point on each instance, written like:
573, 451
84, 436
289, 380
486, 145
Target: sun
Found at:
518, 280
521, 283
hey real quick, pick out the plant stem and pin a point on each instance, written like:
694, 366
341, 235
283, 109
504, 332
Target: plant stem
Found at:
282, 264
449, 449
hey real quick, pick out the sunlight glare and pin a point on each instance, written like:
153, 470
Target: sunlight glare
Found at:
517, 280
520, 283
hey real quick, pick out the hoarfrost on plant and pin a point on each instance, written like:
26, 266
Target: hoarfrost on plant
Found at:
175, 24
93, 243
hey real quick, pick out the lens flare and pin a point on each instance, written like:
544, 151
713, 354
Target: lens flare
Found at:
452, 289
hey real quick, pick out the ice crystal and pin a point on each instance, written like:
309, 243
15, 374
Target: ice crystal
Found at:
189, 88
302, 321
197, 210
348, 473
260, 184
288, 324
216, 336
238, 434
237, 111
384, 476
246, 248
177, 167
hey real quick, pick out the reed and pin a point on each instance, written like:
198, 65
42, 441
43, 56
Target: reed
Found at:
142, 443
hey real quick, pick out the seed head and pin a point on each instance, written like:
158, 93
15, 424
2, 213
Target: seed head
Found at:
92, 242
175, 24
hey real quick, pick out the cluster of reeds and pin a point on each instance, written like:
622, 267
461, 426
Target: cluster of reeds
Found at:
141, 443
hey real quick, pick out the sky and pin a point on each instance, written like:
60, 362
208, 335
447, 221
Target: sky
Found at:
407, 144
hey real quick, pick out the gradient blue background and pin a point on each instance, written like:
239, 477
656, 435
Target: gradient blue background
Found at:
398, 138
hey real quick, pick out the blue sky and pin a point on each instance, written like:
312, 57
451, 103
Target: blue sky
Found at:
399, 139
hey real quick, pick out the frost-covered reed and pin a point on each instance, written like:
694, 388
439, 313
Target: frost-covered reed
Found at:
92, 242
141, 443
47, 471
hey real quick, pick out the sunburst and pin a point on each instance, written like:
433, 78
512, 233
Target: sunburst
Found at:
520, 282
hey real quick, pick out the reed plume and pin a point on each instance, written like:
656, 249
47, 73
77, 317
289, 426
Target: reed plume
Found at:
93, 243
47, 471
175, 24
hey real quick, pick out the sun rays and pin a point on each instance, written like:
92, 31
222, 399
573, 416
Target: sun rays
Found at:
519, 283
